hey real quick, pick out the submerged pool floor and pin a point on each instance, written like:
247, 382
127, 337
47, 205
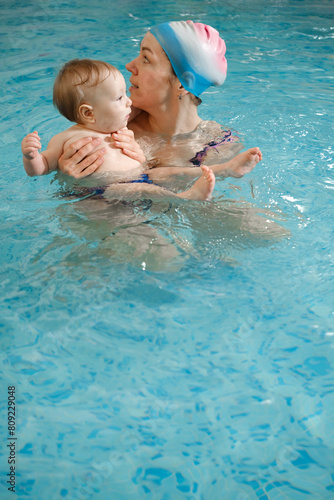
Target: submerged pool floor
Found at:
173, 352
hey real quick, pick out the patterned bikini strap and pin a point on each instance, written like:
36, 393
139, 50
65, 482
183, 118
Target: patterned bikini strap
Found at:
199, 157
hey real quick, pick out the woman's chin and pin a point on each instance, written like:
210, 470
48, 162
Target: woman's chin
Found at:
135, 97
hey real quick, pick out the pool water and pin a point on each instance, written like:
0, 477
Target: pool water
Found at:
185, 351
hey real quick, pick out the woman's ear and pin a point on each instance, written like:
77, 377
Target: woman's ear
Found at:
86, 113
182, 91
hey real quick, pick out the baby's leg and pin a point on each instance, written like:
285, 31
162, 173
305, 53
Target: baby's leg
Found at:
201, 190
203, 187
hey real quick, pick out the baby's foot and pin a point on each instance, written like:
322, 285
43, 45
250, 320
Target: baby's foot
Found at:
242, 164
203, 187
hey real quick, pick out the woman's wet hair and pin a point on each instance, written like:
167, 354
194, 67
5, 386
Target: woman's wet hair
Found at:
73, 79
195, 100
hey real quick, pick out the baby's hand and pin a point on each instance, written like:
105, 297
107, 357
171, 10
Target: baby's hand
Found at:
125, 140
30, 145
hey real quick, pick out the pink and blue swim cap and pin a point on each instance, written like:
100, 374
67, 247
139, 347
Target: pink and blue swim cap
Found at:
196, 52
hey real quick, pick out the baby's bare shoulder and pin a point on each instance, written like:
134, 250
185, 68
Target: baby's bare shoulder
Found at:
62, 137
77, 132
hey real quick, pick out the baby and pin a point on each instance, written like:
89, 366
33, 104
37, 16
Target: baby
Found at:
92, 94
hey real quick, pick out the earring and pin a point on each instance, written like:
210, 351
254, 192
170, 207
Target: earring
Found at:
180, 97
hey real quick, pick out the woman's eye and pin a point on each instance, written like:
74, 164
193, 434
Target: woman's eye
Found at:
146, 60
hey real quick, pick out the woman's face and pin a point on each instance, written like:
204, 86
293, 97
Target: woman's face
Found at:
152, 79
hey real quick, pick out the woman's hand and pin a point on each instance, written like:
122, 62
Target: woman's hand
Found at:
77, 161
125, 140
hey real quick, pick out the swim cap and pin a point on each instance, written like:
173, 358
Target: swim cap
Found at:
196, 52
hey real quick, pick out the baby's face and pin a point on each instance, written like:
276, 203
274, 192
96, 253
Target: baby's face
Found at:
111, 105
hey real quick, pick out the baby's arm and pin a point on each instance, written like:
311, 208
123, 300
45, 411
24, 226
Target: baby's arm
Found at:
33, 161
36, 163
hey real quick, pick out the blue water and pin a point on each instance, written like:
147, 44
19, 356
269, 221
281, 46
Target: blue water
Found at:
182, 353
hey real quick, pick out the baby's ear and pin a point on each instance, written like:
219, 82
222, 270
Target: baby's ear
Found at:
86, 113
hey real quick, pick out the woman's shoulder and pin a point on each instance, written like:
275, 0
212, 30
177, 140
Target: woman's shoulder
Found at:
211, 133
209, 129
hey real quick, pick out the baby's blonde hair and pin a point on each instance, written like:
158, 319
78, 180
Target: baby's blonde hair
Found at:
69, 86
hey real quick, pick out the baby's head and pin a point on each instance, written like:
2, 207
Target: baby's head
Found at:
93, 94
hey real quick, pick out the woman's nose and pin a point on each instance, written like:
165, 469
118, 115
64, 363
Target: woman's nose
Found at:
131, 66
129, 103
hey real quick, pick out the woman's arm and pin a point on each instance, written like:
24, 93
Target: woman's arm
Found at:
242, 164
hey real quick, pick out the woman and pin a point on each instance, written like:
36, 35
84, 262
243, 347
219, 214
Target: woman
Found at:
176, 63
